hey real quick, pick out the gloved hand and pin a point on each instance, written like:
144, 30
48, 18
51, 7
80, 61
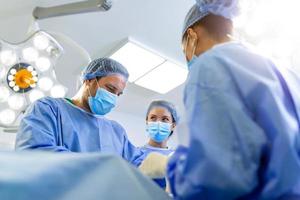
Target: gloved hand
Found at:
168, 188
154, 165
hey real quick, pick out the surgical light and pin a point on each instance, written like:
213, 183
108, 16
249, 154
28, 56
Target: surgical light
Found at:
4, 93
7, 116
35, 95
43, 64
41, 42
27, 74
58, 91
30, 54
45, 84
21, 77
16, 88
8, 57
2, 72
12, 84
13, 71
16, 102
10, 77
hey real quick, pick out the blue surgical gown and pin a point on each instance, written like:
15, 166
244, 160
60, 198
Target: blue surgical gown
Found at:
243, 119
57, 125
72, 176
149, 149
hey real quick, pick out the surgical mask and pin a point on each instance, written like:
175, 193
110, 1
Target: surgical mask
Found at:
103, 102
158, 131
191, 62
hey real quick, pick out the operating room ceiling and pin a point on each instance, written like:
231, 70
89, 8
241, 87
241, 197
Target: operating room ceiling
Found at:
154, 23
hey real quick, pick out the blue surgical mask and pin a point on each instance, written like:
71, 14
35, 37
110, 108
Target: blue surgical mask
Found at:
103, 102
158, 131
191, 62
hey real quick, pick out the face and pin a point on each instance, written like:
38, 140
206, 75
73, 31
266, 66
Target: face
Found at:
160, 114
114, 84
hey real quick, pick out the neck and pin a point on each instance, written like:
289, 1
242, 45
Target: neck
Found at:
79, 101
210, 43
162, 145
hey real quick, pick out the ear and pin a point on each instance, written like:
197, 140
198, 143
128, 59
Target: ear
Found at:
90, 84
173, 126
86, 82
192, 35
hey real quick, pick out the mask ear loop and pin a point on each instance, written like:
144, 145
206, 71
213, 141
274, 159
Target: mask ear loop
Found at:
194, 47
90, 90
185, 47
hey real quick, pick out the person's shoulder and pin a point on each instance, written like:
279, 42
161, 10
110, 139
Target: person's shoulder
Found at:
47, 103
44, 105
237, 51
115, 124
50, 101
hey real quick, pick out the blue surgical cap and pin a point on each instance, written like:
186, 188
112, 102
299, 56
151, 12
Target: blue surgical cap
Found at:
165, 104
103, 67
225, 8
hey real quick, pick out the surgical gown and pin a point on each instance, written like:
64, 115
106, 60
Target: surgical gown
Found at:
149, 149
72, 176
56, 125
243, 119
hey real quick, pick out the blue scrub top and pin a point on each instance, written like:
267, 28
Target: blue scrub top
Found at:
148, 149
243, 118
57, 125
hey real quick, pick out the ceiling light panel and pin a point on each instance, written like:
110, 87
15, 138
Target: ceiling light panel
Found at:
164, 78
137, 60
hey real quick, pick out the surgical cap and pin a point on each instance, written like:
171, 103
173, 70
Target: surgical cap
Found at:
103, 67
225, 8
165, 104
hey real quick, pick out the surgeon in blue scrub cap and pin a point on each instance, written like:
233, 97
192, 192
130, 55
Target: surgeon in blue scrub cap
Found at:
161, 120
243, 115
79, 124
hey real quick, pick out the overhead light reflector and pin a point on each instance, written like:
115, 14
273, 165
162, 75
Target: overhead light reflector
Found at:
41, 42
30, 54
7, 116
35, 95
4, 94
43, 64
16, 102
58, 91
8, 57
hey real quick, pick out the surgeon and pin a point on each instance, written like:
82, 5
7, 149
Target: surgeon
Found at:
243, 116
161, 120
79, 124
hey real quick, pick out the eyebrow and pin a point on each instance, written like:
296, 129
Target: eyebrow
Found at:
113, 87
164, 116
